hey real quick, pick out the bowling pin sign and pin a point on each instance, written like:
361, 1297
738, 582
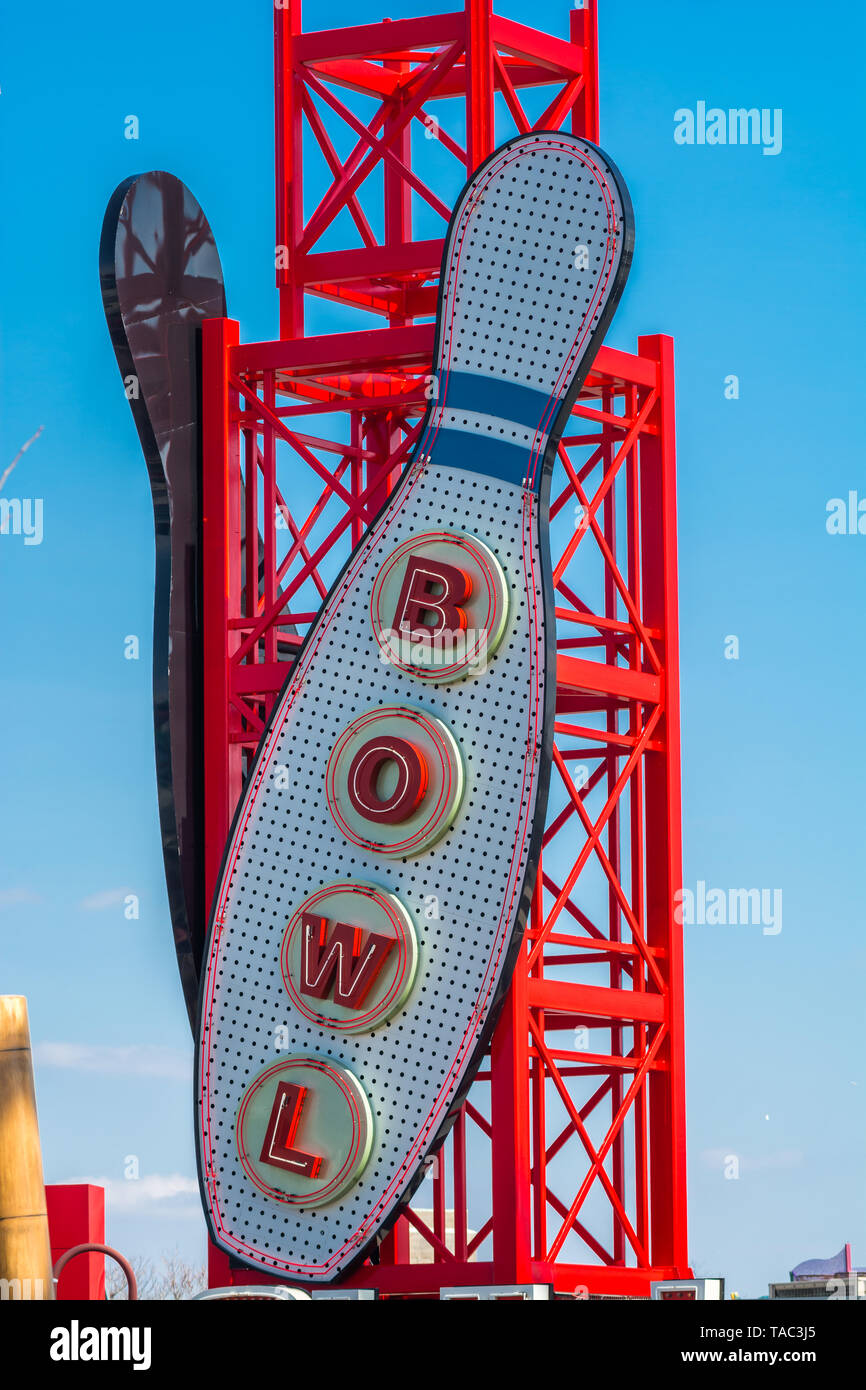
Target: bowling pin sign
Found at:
418, 723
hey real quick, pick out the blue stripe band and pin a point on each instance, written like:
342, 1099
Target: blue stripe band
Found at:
490, 395
480, 454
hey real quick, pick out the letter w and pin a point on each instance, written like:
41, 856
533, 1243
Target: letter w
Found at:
347, 961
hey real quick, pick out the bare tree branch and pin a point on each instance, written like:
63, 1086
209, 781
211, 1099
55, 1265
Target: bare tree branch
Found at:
171, 1279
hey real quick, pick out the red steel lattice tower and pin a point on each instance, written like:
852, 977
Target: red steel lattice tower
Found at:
570, 1150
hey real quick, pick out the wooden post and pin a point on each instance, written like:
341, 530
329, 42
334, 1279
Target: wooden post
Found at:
25, 1248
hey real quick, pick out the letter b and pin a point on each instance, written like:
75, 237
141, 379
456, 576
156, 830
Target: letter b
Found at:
418, 599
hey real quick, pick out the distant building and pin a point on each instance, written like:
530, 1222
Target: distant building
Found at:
834, 1278
420, 1250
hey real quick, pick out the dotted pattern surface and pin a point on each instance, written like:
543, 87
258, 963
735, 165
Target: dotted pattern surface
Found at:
537, 243
518, 307
521, 285
287, 846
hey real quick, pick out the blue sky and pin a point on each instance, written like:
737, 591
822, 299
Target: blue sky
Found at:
754, 264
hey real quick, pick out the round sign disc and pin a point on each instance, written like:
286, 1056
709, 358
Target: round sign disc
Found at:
394, 780
304, 1131
439, 606
349, 957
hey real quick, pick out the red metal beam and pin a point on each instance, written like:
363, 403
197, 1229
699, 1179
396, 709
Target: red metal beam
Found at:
667, 1128
389, 349
510, 1148
558, 55
575, 674
479, 96
220, 585
383, 40
584, 31
595, 1001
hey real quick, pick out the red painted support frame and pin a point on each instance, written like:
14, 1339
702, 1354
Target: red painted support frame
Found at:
345, 409
407, 66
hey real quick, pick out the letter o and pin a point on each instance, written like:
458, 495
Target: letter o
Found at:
412, 780
407, 818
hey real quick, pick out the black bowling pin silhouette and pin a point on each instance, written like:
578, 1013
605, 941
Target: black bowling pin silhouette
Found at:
160, 276
377, 879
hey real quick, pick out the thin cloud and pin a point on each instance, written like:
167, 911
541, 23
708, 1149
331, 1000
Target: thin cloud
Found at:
109, 897
15, 897
177, 1193
148, 1059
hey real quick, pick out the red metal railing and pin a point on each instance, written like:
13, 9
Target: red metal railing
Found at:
570, 1152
